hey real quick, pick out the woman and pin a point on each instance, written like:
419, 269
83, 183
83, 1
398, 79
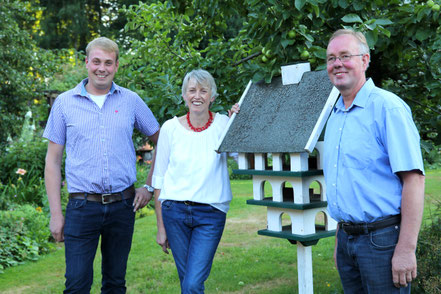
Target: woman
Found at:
192, 187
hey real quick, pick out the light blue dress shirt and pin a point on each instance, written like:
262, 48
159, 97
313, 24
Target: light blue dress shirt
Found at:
100, 156
365, 146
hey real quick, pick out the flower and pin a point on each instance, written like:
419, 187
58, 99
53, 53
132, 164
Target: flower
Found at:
21, 171
38, 209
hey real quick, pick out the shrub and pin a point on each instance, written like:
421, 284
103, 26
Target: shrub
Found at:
24, 235
232, 165
429, 257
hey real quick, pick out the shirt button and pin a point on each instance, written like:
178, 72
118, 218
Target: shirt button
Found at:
335, 165
334, 204
339, 129
336, 147
333, 184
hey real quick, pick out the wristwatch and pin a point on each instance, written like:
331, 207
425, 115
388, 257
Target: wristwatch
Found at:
149, 188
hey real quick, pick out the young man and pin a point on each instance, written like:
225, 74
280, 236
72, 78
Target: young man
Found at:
95, 122
374, 175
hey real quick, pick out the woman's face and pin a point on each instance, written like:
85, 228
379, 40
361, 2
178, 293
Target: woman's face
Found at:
197, 96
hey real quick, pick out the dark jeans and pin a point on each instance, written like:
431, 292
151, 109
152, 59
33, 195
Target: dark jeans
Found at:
193, 233
86, 221
365, 261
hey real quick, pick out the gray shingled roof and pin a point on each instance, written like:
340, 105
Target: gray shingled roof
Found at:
277, 118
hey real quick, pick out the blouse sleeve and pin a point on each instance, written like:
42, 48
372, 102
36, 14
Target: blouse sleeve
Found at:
162, 155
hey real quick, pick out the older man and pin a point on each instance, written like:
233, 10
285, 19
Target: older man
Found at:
374, 175
95, 122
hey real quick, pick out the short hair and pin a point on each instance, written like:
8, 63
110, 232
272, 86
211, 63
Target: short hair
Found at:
202, 77
103, 43
364, 47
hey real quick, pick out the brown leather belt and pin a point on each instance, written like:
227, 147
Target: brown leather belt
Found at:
365, 228
105, 198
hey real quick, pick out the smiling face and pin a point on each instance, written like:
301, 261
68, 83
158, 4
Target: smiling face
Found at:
198, 96
101, 69
348, 77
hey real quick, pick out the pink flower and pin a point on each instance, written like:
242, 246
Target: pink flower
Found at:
21, 171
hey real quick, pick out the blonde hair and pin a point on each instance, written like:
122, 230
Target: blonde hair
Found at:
103, 43
364, 47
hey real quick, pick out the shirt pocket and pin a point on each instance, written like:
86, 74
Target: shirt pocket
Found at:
357, 148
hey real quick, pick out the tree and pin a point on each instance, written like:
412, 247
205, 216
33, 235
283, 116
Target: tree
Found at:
22, 71
251, 39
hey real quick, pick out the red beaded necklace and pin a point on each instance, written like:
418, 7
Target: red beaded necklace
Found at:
210, 120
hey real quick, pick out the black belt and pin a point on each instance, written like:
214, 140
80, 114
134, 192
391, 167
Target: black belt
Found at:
365, 228
191, 203
106, 198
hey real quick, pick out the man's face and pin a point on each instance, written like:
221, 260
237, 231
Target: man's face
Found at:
347, 76
101, 69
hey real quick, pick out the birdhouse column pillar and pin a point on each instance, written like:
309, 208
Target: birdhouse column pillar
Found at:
304, 268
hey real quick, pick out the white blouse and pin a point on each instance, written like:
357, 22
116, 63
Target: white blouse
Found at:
187, 167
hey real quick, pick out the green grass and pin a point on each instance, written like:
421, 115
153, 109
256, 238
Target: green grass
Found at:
244, 263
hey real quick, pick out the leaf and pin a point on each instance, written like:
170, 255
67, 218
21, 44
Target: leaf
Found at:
351, 18
299, 4
287, 42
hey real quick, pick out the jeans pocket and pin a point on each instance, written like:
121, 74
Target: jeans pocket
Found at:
386, 238
76, 203
167, 204
128, 203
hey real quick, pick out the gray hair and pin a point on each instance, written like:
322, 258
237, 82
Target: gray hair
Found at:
202, 77
362, 43
103, 43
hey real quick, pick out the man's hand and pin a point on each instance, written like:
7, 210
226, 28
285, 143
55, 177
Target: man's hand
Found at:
161, 239
404, 267
142, 197
56, 225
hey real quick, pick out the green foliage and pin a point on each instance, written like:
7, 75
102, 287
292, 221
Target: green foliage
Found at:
72, 70
232, 165
24, 235
241, 40
429, 257
22, 71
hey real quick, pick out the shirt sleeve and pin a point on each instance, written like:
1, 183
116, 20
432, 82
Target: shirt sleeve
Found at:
145, 121
162, 156
403, 141
55, 130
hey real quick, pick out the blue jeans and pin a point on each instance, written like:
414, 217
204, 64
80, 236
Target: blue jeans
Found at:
365, 261
86, 221
193, 233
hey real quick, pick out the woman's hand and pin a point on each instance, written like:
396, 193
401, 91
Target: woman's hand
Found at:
234, 109
161, 239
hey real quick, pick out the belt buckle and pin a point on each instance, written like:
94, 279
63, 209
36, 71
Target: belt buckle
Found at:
104, 199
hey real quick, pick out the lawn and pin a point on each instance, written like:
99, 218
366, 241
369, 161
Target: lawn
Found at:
245, 262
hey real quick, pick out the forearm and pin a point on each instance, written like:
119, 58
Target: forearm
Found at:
412, 205
152, 168
158, 210
53, 188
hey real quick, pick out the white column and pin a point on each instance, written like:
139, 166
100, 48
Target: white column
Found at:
299, 161
243, 161
259, 161
304, 269
277, 162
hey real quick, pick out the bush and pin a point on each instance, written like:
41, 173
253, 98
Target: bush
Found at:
429, 257
232, 165
24, 235
27, 153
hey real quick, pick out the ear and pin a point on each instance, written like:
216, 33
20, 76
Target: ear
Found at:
365, 58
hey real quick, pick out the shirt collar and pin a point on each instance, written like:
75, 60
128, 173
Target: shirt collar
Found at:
361, 98
80, 89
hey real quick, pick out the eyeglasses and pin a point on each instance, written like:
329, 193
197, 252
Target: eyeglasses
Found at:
343, 58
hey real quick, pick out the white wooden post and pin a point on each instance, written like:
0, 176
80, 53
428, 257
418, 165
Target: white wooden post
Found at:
304, 269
